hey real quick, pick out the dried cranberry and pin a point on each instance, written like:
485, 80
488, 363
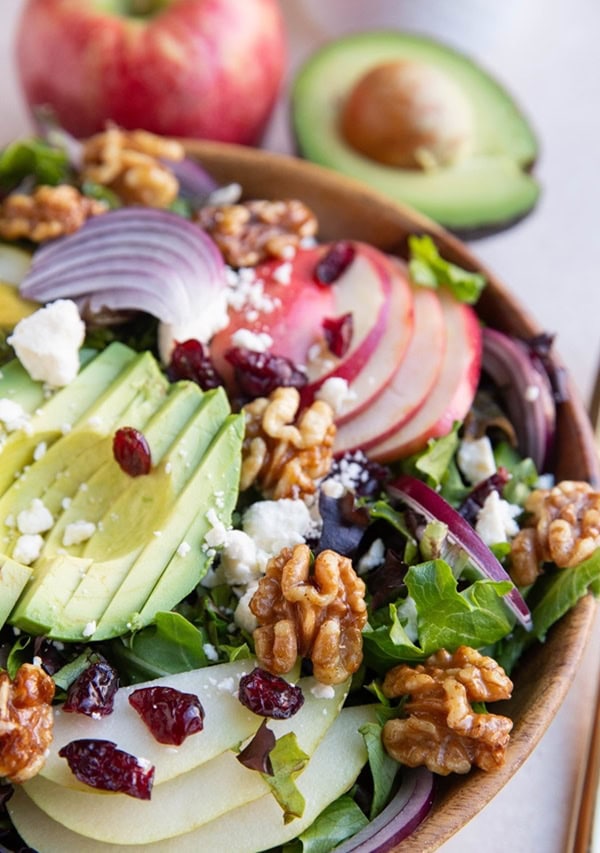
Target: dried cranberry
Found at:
99, 764
132, 452
94, 691
259, 373
269, 695
338, 333
170, 714
191, 360
332, 264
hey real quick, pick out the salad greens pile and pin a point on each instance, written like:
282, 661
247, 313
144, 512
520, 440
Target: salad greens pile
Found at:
424, 592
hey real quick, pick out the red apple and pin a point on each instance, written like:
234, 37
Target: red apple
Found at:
198, 68
410, 386
452, 394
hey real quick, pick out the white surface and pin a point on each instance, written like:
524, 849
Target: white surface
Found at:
547, 54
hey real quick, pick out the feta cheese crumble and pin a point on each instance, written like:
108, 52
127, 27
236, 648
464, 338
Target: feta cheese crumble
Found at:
77, 532
336, 392
12, 415
36, 519
255, 341
475, 459
28, 548
47, 343
496, 519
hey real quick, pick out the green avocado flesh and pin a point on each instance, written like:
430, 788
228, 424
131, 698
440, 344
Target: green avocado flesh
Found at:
489, 187
147, 548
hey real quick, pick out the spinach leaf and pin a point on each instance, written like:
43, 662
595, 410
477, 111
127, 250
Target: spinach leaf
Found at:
383, 767
32, 157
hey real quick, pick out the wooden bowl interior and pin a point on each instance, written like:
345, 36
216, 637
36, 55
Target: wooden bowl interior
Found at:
347, 209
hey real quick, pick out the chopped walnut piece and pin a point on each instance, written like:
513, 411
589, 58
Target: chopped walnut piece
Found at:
563, 528
283, 454
48, 213
252, 231
25, 722
441, 730
130, 164
316, 612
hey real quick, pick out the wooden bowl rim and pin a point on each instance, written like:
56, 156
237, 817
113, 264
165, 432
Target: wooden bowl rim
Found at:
460, 798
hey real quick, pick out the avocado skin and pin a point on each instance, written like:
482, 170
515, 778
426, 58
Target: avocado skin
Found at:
490, 190
131, 567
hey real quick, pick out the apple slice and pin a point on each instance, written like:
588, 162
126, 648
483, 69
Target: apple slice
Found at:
410, 385
371, 364
452, 394
226, 723
281, 299
225, 784
257, 825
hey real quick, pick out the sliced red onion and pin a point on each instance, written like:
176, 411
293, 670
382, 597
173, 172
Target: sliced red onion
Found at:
195, 183
132, 258
424, 500
401, 817
526, 392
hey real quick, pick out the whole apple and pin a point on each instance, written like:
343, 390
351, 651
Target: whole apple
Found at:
209, 69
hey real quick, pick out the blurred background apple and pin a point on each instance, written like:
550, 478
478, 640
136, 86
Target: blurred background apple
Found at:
210, 69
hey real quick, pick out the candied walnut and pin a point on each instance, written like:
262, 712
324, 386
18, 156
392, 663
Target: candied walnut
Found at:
563, 527
441, 729
316, 613
48, 213
252, 231
130, 164
25, 722
285, 454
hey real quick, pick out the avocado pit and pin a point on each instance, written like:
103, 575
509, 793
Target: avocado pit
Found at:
408, 115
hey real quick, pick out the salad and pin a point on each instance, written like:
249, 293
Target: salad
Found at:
278, 519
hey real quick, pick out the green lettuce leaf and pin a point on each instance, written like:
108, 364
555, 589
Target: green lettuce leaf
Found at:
383, 767
287, 760
32, 157
428, 269
475, 617
389, 644
340, 820
172, 644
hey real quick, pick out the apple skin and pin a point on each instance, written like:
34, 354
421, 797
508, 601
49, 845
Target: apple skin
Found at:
207, 69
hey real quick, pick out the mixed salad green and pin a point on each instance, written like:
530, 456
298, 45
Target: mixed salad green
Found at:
427, 587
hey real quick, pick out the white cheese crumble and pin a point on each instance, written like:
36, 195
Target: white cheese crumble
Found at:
183, 549
206, 321
322, 691
12, 415
28, 548
77, 532
90, 630
496, 519
40, 450
373, 558
332, 488
216, 537
255, 341
47, 343
240, 562
243, 617
476, 459
210, 652
336, 392
274, 525
36, 519
283, 273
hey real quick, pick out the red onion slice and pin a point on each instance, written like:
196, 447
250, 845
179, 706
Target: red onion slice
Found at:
401, 817
526, 392
132, 258
420, 497
195, 183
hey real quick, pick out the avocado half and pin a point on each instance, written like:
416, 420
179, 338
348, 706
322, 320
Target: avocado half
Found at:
489, 188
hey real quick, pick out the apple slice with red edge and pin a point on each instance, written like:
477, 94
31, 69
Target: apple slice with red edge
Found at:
283, 300
452, 394
410, 385
380, 342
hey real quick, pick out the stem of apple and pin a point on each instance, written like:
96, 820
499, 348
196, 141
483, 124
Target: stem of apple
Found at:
145, 8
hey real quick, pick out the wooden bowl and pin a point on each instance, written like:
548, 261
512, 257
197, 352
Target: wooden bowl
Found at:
346, 208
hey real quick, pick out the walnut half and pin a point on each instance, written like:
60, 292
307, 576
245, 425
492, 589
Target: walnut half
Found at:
47, 213
317, 612
563, 528
441, 729
25, 722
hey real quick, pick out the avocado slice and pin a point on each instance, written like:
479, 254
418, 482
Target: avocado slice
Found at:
13, 578
489, 188
97, 588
